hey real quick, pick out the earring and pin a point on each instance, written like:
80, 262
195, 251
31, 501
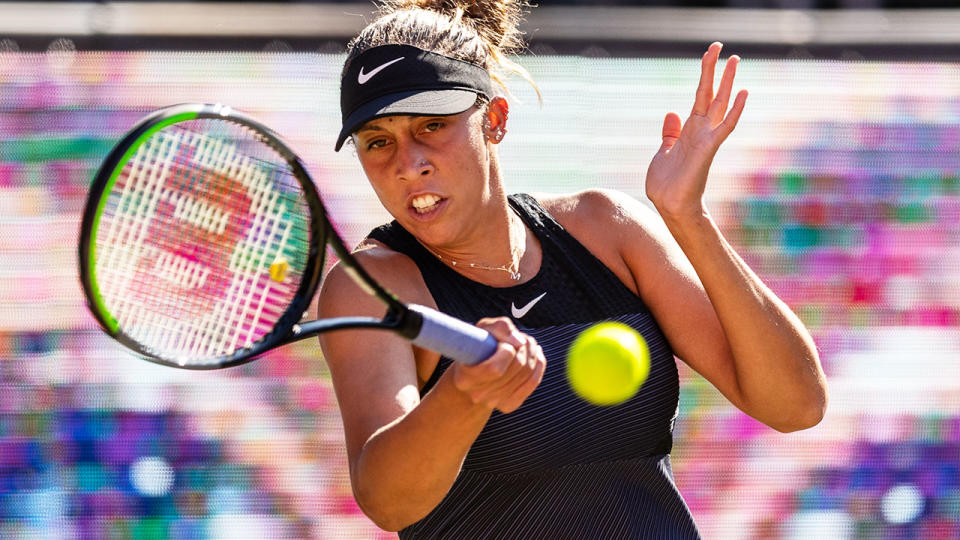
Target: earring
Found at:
497, 133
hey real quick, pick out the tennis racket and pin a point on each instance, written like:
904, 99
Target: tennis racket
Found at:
203, 242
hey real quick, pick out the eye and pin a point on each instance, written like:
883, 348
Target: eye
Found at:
376, 143
435, 125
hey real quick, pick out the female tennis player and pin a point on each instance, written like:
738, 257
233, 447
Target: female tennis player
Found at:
504, 449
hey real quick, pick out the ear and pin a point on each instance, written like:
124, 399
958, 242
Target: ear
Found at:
495, 119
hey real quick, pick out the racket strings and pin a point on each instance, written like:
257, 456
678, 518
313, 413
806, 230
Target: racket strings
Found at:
203, 241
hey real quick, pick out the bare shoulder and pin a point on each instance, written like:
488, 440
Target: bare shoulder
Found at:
611, 218
596, 208
609, 223
395, 271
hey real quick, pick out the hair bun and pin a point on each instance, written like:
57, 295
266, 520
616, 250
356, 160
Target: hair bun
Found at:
483, 32
496, 21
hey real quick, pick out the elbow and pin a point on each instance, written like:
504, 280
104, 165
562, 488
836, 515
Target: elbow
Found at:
801, 422
387, 523
392, 499
382, 515
384, 510
807, 415
808, 405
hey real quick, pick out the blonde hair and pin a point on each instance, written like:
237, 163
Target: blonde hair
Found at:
482, 32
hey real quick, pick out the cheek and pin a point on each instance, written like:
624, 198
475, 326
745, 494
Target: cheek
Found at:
472, 153
389, 200
377, 181
387, 197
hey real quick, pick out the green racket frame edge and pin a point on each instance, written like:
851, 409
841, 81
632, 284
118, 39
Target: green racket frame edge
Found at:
285, 329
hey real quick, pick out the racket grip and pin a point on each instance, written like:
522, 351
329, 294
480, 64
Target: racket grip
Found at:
452, 337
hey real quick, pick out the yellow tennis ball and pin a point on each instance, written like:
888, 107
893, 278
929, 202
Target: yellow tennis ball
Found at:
278, 269
607, 363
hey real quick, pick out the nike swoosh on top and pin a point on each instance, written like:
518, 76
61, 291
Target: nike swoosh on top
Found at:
362, 77
517, 313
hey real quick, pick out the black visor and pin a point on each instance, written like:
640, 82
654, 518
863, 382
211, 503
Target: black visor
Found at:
401, 79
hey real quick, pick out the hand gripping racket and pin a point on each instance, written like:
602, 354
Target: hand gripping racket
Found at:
203, 242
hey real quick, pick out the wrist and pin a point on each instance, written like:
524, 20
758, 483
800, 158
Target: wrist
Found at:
684, 217
458, 399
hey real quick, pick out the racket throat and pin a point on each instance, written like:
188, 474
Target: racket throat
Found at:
405, 322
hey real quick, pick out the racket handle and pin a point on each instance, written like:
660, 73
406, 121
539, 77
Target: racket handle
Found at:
452, 337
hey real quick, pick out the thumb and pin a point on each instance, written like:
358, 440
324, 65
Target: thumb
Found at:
671, 130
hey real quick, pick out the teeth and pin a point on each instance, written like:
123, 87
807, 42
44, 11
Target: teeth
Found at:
425, 202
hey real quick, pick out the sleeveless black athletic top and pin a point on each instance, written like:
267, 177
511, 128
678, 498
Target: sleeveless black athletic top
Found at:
558, 467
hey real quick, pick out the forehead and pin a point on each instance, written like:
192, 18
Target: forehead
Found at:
387, 122
398, 121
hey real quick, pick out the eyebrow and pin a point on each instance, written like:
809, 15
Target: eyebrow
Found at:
373, 127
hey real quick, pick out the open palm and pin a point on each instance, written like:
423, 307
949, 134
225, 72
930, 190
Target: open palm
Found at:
677, 175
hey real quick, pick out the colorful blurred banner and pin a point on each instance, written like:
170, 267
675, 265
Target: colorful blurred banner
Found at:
841, 187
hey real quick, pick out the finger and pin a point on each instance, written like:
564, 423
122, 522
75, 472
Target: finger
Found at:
496, 378
705, 88
517, 372
477, 378
526, 385
531, 354
672, 125
523, 362
514, 372
719, 106
502, 329
730, 122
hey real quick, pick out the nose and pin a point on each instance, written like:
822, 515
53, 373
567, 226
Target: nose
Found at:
412, 161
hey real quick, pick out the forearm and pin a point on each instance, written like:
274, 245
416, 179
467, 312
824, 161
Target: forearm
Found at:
778, 378
406, 468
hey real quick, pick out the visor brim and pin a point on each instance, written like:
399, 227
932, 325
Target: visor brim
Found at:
417, 103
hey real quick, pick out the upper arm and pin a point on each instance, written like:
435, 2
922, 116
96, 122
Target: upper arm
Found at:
374, 372
632, 240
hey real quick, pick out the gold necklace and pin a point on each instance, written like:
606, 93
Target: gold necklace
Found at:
514, 274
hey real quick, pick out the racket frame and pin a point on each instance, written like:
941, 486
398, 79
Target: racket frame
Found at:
399, 317
106, 178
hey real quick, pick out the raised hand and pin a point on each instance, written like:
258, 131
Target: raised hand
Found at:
677, 175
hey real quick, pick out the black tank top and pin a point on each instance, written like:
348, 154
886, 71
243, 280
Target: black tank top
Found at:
558, 467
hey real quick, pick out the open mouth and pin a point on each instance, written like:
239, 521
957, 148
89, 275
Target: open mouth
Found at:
426, 203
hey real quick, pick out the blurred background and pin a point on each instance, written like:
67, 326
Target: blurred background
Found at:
841, 187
